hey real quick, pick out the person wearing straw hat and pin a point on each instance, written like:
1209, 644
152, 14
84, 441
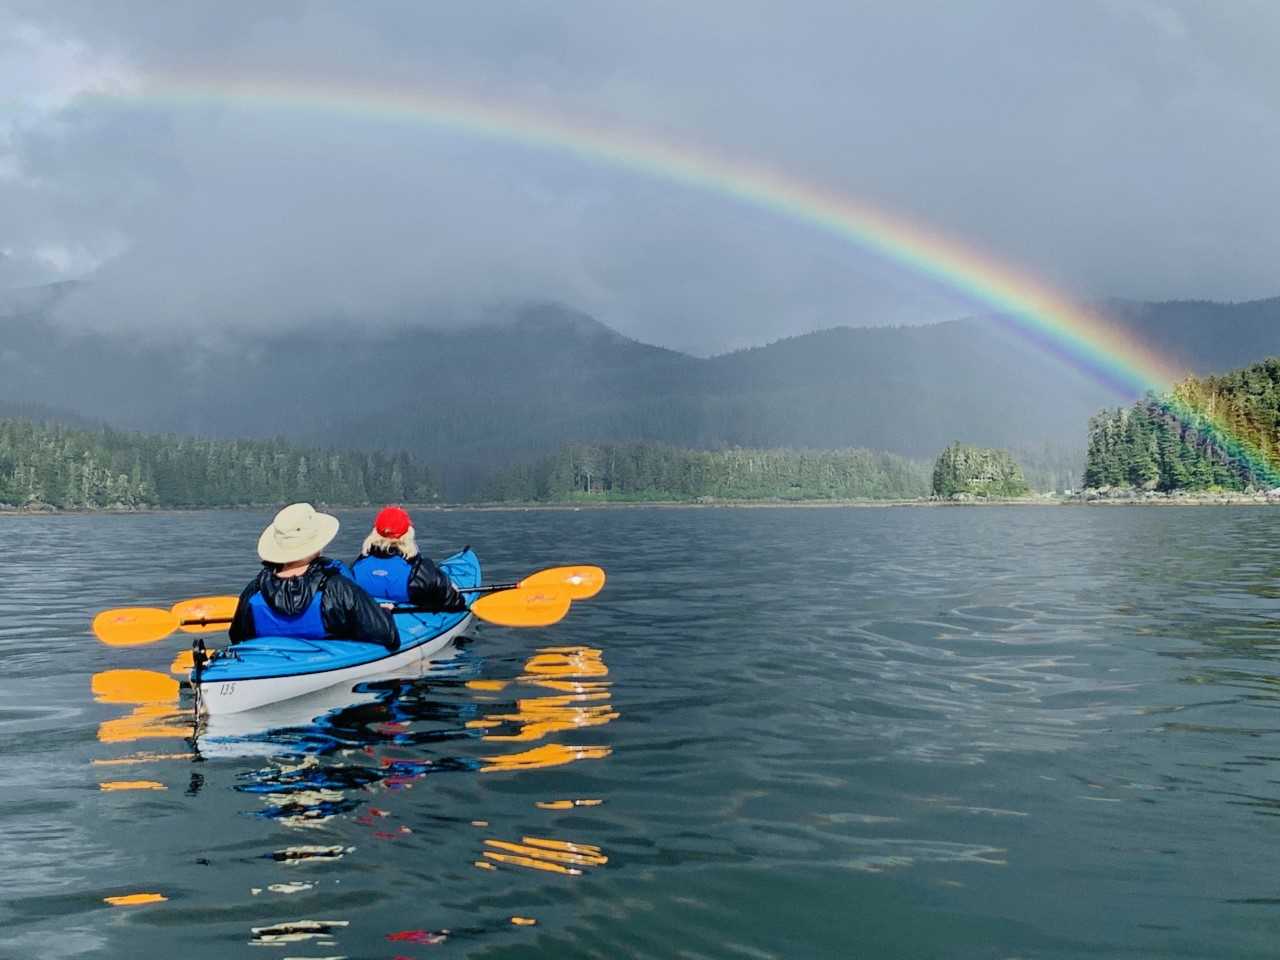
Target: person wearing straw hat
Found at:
391, 569
301, 593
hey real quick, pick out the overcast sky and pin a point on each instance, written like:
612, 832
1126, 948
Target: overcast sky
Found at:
1113, 147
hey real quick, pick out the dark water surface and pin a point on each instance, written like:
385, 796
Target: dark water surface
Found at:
1004, 732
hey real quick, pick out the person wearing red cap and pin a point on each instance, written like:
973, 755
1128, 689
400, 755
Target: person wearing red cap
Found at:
391, 569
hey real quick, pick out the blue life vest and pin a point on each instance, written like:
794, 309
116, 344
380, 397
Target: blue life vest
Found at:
337, 566
267, 622
384, 578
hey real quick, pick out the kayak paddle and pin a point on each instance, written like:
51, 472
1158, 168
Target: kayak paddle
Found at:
533, 600
135, 626
522, 607
578, 582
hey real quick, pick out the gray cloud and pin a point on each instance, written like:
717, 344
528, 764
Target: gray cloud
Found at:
1115, 148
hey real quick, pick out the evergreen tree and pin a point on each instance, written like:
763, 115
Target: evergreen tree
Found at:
63, 467
646, 471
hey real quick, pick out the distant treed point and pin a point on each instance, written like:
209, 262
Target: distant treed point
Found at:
1210, 433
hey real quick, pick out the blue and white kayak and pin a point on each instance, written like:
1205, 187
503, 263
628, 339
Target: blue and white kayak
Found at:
267, 670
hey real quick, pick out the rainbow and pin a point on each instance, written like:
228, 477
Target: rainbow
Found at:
1072, 332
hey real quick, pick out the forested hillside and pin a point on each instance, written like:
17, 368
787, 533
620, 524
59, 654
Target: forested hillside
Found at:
49, 465
1221, 431
658, 472
516, 386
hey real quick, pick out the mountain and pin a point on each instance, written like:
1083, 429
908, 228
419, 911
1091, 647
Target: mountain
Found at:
512, 390
1204, 336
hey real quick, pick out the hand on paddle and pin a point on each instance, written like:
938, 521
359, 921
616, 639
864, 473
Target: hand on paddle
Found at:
539, 600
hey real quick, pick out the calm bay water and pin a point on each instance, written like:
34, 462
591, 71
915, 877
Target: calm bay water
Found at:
1003, 732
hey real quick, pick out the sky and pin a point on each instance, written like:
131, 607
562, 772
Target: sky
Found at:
1111, 148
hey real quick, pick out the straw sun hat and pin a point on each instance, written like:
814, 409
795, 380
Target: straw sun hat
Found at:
296, 533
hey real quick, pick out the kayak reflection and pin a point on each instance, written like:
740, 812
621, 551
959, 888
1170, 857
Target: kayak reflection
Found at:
333, 769
337, 717
326, 759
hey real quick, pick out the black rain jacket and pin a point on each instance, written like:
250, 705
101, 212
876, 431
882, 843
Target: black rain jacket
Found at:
348, 613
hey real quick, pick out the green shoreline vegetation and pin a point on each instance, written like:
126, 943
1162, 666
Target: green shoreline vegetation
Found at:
47, 466
1153, 452
634, 472
1230, 442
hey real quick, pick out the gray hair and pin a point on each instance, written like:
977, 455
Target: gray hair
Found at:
404, 545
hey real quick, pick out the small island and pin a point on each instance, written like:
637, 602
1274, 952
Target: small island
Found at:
964, 472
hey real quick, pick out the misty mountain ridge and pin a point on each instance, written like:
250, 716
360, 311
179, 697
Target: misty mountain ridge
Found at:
512, 389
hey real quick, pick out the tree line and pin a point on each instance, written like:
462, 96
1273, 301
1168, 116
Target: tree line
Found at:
649, 471
49, 464
1208, 432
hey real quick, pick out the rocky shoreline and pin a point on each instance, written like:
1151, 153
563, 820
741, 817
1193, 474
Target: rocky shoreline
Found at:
1087, 498
1177, 498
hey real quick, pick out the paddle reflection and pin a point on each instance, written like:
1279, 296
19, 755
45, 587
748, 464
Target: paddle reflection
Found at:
378, 743
154, 696
338, 760
546, 854
338, 763
583, 700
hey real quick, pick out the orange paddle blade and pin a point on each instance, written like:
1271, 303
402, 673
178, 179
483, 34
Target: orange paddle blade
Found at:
577, 583
205, 608
131, 626
522, 607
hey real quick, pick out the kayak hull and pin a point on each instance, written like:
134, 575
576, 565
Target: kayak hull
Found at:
218, 696
269, 670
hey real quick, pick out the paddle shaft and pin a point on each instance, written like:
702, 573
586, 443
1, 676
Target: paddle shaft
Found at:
489, 588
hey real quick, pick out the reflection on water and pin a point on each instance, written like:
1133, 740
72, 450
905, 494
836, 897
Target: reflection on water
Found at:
395, 733
777, 733
542, 853
304, 852
155, 713
328, 757
109, 785
584, 703
134, 899
354, 761
566, 804
146, 721
428, 937
140, 758
299, 931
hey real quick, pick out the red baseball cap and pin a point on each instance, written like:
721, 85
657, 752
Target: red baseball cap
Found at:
392, 523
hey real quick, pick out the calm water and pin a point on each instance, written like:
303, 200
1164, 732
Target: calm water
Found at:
998, 733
